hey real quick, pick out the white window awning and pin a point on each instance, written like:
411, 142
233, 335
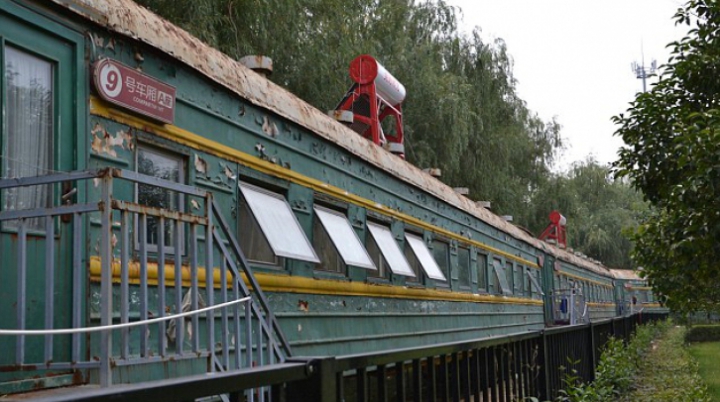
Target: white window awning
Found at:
390, 250
278, 223
502, 279
346, 241
431, 268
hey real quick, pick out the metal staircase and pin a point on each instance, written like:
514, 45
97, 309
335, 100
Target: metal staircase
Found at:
130, 292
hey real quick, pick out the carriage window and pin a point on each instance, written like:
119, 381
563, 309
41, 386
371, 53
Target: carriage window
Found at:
501, 284
534, 285
346, 242
427, 262
518, 280
278, 224
252, 241
464, 267
441, 256
164, 166
389, 248
482, 271
330, 259
28, 136
510, 276
414, 263
380, 262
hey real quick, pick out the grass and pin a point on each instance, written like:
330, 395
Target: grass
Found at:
707, 355
667, 372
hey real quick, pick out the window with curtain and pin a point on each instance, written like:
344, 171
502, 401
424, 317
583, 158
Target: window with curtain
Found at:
28, 137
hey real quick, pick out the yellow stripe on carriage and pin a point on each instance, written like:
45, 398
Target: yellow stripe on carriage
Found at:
304, 285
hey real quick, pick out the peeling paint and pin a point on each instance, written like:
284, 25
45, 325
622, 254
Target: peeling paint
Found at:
98, 40
228, 172
104, 143
260, 149
194, 204
269, 128
200, 165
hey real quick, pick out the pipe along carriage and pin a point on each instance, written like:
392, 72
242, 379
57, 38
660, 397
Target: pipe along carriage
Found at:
167, 211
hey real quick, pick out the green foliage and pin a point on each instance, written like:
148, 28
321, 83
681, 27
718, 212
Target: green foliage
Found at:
577, 391
703, 333
616, 368
673, 156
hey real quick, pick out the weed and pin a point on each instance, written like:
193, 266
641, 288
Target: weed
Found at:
653, 366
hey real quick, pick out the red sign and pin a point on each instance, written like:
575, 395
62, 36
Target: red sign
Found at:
123, 86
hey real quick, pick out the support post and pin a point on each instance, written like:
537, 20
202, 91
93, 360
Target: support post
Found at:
321, 383
593, 358
546, 393
106, 279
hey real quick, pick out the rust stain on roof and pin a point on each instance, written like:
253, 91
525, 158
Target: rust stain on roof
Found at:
626, 274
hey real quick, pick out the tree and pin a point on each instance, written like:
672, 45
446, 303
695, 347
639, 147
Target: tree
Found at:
598, 209
672, 155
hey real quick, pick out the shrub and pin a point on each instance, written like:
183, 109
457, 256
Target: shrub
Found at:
703, 333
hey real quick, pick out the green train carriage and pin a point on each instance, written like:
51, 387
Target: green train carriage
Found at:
240, 192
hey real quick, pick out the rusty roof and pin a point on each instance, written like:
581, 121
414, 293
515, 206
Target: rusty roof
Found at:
626, 274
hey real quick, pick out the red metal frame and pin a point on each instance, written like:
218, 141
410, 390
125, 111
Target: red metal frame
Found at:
556, 229
364, 70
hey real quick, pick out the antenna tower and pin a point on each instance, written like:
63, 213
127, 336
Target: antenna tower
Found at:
642, 72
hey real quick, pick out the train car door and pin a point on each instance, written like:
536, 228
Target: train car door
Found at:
41, 97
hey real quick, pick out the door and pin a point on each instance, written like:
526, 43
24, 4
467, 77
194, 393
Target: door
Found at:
38, 126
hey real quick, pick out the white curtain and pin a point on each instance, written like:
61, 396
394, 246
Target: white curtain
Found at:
28, 135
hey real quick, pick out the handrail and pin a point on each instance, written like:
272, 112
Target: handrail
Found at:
50, 178
68, 331
251, 278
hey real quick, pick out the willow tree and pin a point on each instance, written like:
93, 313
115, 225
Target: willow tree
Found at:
600, 209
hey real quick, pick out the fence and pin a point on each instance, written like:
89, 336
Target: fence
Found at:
501, 369
129, 246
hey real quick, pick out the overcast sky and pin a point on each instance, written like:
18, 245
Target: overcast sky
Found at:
572, 59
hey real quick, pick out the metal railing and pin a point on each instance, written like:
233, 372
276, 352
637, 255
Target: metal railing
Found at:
142, 282
569, 307
498, 369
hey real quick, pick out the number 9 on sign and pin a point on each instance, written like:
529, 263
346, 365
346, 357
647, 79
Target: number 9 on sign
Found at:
110, 80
